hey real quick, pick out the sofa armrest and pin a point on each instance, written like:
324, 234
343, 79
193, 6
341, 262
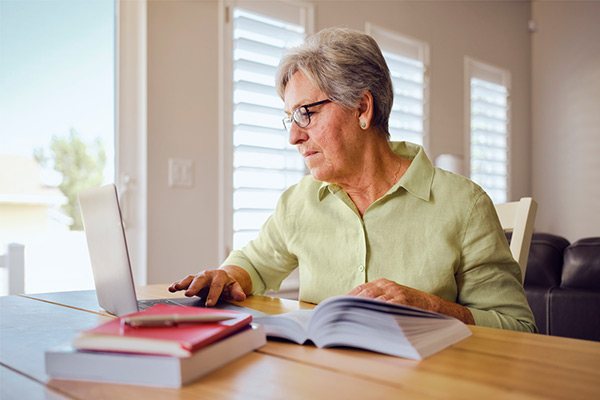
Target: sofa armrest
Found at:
574, 313
538, 298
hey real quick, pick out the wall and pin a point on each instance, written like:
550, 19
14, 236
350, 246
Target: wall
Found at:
183, 102
566, 117
494, 32
182, 123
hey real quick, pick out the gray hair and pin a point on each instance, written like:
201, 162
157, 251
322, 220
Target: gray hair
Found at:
343, 63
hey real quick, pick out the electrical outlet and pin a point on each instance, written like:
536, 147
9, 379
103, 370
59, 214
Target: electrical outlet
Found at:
181, 173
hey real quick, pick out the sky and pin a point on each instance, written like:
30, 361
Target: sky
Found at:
56, 72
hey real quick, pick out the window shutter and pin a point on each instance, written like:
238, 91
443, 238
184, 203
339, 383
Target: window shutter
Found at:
264, 163
407, 60
407, 117
489, 128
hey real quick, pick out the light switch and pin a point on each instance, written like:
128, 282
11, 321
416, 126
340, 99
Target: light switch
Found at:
181, 173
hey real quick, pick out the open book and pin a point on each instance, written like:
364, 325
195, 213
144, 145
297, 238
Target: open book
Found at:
368, 324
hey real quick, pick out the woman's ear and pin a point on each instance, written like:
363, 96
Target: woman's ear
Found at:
365, 110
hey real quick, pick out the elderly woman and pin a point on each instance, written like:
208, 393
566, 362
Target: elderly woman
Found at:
374, 218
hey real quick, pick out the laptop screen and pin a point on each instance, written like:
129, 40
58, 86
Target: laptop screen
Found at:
108, 251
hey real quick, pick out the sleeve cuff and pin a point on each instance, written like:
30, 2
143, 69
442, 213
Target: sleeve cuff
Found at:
494, 320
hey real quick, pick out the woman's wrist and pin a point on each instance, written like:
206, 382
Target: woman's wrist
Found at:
441, 306
240, 276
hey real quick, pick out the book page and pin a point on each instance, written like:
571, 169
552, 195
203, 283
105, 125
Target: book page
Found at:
292, 326
302, 317
382, 327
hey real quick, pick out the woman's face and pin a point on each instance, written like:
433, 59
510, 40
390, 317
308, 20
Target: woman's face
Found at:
331, 144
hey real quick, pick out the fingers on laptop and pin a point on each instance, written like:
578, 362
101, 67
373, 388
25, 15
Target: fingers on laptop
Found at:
199, 282
182, 284
216, 282
223, 285
233, 292
236, 292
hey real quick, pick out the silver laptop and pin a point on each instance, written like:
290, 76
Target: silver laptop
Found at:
109, 255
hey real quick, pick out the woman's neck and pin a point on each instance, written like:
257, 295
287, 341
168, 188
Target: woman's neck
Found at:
377, 172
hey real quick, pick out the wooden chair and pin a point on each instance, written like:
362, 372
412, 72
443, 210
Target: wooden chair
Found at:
518, 217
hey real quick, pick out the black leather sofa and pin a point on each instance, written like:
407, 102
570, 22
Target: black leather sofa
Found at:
562, 284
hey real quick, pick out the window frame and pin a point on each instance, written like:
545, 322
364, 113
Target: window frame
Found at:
474, 68
409, 47
128, 132
131, 128
298, 12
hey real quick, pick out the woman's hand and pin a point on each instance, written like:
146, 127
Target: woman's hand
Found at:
391, 292
229, 283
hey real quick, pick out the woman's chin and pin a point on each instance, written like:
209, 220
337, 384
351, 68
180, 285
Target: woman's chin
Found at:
318, 174
320, 170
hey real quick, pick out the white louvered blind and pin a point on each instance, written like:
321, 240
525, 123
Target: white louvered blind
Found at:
264, 163
407, 61
489, 137
407, 117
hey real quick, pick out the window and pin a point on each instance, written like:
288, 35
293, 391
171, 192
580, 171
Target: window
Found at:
488, 126
408, 61
262, 164
57, 96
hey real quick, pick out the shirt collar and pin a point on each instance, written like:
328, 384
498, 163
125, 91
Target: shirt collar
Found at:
417, 179
327, 187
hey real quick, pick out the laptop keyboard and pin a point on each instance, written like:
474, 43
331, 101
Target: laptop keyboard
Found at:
195, 302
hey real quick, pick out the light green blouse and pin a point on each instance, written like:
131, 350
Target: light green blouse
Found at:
433, 230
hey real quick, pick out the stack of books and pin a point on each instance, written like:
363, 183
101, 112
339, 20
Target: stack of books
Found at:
164, 346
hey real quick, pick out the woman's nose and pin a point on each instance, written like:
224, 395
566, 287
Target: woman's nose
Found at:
297, 134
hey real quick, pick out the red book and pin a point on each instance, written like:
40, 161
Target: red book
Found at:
180, 340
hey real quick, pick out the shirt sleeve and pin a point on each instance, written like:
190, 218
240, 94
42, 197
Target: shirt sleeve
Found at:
266, 259
489, 279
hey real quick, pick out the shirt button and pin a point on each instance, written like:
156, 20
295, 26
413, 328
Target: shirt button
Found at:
361, 268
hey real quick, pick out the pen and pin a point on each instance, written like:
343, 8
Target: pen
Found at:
173, 319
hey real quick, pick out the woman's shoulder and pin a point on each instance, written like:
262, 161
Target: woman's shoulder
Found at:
305, 189
458, 185
300, 197
459, 199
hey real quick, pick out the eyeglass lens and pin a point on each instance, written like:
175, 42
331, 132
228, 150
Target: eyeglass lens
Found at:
301, 115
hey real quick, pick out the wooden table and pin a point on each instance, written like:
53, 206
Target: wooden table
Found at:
491, 364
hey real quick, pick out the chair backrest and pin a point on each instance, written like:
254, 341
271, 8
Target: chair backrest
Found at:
14, 261
519, 217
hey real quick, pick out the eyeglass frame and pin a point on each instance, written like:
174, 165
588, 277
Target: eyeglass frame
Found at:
292, 119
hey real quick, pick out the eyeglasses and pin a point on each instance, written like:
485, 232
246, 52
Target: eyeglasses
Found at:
301, 115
